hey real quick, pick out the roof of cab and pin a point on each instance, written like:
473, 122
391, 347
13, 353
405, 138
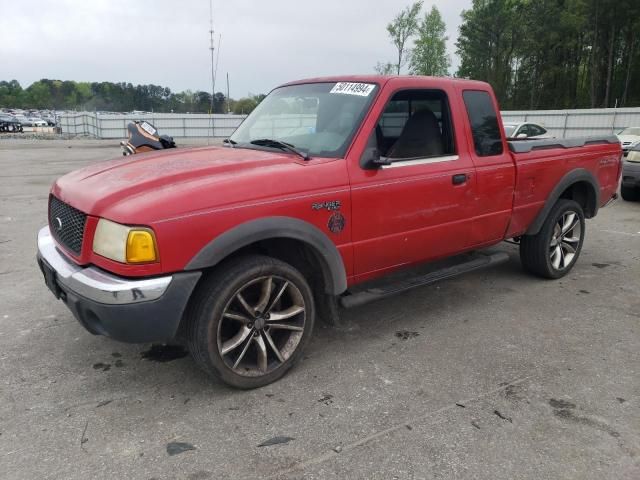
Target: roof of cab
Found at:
383, 79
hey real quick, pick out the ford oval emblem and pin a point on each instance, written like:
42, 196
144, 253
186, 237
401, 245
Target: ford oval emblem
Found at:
59, 223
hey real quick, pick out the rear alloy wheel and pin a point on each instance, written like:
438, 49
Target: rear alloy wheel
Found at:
553, 251
251, 321
567, 234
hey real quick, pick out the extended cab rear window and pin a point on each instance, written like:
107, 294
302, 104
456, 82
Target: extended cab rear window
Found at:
484, 123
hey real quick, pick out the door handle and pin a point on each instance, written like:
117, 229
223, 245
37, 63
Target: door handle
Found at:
459, 178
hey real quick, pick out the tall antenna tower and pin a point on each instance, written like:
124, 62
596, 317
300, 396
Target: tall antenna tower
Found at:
211, 49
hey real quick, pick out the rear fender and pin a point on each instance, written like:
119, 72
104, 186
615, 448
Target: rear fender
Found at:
579, 175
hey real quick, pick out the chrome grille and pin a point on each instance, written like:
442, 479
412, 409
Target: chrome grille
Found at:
66, 224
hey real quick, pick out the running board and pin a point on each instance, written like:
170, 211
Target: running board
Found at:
377, 293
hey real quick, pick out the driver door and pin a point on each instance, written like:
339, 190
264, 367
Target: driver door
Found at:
420, 206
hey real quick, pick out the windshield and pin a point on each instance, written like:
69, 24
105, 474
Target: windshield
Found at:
317, 118
631, 131
508, 130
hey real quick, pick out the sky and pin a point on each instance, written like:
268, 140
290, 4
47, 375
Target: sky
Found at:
164, 42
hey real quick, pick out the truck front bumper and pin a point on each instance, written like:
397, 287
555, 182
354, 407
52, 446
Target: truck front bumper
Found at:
128, 310
631, 174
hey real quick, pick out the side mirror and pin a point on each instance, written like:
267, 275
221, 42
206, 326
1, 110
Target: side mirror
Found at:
382, 161
521, 135
371, 159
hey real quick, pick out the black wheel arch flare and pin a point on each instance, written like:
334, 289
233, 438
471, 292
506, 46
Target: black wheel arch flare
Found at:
579, 175
245, 234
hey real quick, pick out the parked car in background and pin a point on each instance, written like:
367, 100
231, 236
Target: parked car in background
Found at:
37, 122
525, 130
629, 138
8, 123
23, 120
630, 188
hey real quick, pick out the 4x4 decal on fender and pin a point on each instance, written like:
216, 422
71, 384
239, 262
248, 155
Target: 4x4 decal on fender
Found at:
336, 222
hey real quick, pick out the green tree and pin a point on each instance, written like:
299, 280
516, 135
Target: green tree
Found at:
38, 95
11, 94
489, 39
554, 53
219, 103
244, 106
429, 55
400, 30
384, 68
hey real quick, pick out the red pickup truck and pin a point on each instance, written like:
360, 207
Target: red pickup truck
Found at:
330, 184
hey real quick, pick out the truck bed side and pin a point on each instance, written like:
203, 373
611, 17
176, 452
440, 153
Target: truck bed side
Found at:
549, 169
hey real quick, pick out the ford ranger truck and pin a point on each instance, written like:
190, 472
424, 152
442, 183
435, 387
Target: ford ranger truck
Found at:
327, 187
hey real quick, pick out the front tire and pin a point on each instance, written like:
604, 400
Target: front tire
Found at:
630, 194
554, 250
250, 320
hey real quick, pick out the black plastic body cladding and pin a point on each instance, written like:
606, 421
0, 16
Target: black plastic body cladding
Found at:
276, 227
571, 178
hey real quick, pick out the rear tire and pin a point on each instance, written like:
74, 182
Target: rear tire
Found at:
250, 321
630, 194
554, 250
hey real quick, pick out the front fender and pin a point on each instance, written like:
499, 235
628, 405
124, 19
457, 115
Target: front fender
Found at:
276, 227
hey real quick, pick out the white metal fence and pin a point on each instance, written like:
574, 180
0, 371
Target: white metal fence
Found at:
172, 124
578, 123
559, 123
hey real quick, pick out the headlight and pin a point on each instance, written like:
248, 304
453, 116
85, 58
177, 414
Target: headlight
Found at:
124, 244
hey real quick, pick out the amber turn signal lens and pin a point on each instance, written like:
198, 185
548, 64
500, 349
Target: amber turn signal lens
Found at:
141, 247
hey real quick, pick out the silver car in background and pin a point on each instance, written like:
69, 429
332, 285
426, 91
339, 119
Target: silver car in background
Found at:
629, 138
525, 130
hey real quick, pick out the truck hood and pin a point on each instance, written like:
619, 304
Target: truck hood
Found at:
149, 187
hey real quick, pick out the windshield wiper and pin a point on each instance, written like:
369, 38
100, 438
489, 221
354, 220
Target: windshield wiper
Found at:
269, 142
230, 142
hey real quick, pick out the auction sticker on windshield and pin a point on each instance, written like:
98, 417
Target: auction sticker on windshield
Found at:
350, 88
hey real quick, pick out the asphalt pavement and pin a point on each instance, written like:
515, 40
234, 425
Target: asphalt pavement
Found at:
492, 375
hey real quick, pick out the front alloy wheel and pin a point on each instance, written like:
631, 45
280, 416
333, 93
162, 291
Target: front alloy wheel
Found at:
261, 326
250, 320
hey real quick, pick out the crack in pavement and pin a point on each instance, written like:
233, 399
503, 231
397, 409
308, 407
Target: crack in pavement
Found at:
399, 426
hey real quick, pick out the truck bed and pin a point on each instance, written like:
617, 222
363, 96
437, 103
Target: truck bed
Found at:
544, 166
